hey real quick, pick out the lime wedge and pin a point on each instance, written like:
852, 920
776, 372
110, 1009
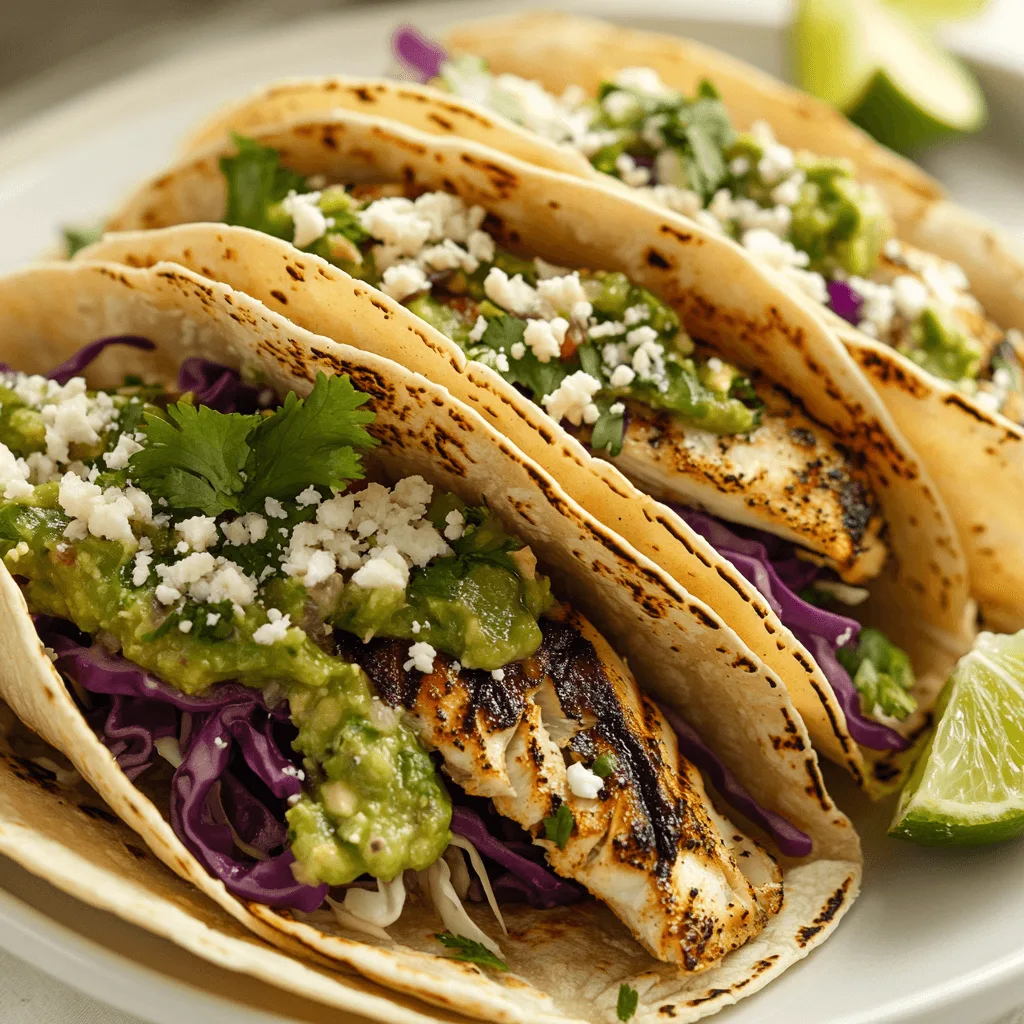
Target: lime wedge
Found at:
884, 73
968, 787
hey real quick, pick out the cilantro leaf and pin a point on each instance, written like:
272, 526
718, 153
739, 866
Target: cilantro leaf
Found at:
255, 180
471, 951
77, 238
559, 826
605, 765
194, 458
214, 462
626, 1006
608, 430
539, 379
311, 441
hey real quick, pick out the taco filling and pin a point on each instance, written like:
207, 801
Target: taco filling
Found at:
807, 217
612, 362
238, 600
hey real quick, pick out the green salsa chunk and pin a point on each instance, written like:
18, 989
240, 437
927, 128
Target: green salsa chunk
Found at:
882, 673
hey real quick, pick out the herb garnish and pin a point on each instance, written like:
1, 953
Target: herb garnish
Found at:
78, 238
559, 826
628, 999
256, 180
214, 462
605, 765
470, 950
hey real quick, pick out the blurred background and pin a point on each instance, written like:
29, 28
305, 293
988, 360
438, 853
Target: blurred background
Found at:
51, 50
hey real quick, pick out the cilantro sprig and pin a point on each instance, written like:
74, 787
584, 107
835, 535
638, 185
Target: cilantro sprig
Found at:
559, 826
201, 460
471, 951
255, 181
625, 1008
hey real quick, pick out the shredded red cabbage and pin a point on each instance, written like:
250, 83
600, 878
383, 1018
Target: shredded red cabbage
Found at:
418, 54
143, 709
219, 387
844, 301
269, 881
527, 877
771, 565
787, 836
74, 366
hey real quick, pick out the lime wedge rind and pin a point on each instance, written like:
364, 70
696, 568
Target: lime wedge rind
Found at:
967, 789
886, 73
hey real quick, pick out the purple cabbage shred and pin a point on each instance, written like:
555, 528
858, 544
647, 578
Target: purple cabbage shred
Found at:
772, 567
212, 798
418, 54
74, 366
844, 301
526, 878
218, 386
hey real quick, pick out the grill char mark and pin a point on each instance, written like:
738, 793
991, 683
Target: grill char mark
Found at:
583, 689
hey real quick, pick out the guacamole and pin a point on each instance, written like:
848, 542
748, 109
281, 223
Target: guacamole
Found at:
208, 547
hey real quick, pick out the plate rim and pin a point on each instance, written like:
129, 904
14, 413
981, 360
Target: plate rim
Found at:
103, 973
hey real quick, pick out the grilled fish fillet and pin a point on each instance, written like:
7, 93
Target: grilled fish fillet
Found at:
650, 845
789, 477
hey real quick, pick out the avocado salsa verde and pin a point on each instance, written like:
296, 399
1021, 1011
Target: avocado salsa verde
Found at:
808, 217
181, 537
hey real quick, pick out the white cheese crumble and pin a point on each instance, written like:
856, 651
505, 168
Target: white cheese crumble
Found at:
205, 579
544, 338
478, 330
199, 532
403, 280
274, 509
421, 658
14, 475
455, 524
583, 782
273, 631
573, 400
340, 536
308, 220
247, 529
140, 568
514, 294
386, 571
118, 456
103, 513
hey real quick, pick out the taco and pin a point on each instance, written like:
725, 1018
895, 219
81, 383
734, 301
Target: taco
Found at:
313, 652
703, 383
927, 297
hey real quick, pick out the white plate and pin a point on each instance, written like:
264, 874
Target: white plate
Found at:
936, 936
